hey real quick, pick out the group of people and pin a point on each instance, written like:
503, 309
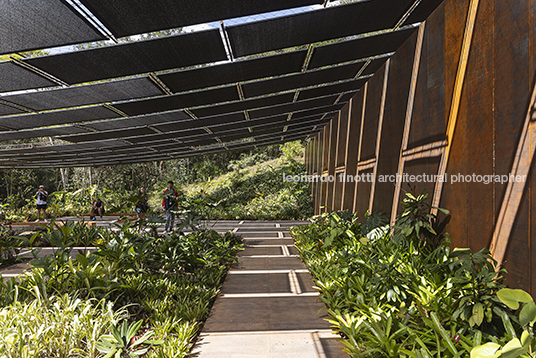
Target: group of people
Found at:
169, 203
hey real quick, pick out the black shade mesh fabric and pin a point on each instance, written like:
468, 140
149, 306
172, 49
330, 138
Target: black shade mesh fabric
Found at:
277, 139
132, 151
358, 48
38, 153
291, 107
178, 126
267, 134
158, 138
147, 120
57, 117
303, 79
283, 123
315, 26
374, 66
309, 119
14, 78
6, 110
100, 143
231, 127
234, 72
130, 17
208, 121
330, 89
37, 24
278, 127
230, 136
313, 120
88, 94
185, 100
44, 132
221, 119
172, 147
347, 96
245, 124
317, 110
134, 57
243, 105
197, 143
121, 133
423, 10
160, 142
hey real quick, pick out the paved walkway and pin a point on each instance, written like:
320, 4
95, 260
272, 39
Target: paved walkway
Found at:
267, 307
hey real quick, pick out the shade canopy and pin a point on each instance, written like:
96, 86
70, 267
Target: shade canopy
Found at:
248, 74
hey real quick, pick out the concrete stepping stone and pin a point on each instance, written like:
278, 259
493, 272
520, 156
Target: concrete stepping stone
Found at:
268, 307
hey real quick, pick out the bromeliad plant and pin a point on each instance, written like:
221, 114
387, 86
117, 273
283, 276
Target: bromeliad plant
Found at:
168, 282
62, 326
126, 341
401, 292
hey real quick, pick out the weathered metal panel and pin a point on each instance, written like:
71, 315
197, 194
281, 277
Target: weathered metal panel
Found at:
418, 167
343, 136
393, 124
518, 261
341, 158
353, 146
363, 192
532, 179
494, 99
333, 142
456, 200
477, 117
372, 112
428, 122
512, 92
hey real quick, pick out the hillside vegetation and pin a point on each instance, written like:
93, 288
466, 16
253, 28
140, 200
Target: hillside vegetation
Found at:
244, 184
254, 191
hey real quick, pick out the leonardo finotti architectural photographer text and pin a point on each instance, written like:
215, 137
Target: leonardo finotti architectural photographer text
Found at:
407, 178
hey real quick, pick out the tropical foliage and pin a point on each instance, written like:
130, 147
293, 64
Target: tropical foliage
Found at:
243, 184
402, 292
256, 192
133, 295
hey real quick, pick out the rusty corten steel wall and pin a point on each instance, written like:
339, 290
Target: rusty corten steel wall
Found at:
454, 99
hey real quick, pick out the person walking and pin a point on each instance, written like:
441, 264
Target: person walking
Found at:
170, 205
41, 197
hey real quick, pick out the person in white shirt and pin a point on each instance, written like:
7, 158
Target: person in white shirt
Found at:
41, 197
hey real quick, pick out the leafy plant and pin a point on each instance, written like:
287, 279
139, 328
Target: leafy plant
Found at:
10, 246
416, 221
401, 292
513, 343
63, 326
126, 342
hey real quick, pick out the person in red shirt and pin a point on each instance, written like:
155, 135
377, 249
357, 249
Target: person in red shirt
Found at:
169, 203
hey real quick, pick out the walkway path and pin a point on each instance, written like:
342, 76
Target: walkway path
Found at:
268, 307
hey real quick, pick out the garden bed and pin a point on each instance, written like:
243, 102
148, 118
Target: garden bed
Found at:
405, 293
133, 294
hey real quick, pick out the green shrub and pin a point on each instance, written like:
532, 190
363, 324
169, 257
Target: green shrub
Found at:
169, 283
256, 193
63, 326
401, 292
